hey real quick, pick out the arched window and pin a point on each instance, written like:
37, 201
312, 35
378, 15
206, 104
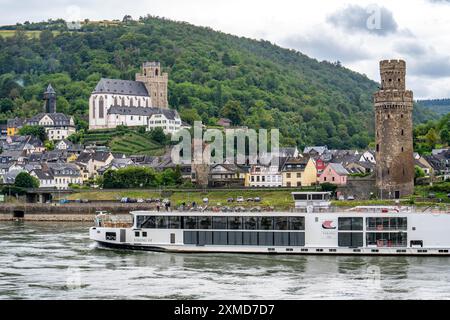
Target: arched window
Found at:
101, 108
156, 72
131, 102
115, 101
146, 103
93, 110
123, 101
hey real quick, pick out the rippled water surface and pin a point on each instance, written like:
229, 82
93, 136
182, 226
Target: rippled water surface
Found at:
58, 261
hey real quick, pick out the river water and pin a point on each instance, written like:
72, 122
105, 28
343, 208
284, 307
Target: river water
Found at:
58, 261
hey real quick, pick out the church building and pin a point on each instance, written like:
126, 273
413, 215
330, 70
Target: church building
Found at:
142, 102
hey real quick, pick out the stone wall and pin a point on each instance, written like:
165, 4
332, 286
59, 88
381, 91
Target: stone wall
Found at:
360, 188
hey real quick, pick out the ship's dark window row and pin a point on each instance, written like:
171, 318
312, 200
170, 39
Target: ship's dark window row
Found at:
350, 223
381, 224
386, 239
248, 238
222, 223
350, 239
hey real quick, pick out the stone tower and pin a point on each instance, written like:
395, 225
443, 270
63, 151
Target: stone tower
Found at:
50, 100
156, 83
394, 132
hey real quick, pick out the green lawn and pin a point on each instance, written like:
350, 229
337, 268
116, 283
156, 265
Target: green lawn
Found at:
279, 199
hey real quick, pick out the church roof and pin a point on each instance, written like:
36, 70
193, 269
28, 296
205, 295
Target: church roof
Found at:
122, 87
141, 111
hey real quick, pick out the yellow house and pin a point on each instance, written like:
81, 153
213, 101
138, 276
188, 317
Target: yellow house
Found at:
298, 172
13, 126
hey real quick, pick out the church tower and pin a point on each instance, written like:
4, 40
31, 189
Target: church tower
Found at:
394, 132
50, 100
156, 83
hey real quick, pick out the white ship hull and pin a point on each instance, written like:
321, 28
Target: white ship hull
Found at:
403, 233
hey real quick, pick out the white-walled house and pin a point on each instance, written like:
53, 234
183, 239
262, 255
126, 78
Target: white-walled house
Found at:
58, 126
264, 176
58, 175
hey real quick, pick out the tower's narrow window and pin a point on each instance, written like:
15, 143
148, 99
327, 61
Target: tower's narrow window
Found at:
403, 132
402, 149
378, 147
156, 72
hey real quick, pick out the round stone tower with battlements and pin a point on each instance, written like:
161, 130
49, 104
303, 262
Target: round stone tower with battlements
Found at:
394, 132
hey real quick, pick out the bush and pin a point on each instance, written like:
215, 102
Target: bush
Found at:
25, 180
441, 187
328, 187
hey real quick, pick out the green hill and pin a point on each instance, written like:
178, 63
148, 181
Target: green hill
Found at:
211, 74
439, 106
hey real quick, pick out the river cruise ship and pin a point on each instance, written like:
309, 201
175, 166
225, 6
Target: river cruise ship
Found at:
313, 228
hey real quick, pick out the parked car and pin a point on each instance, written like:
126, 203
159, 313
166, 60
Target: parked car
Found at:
249, 199
240, 199
131, 200
149, 200
84, 200
205, 200
140, 200
124, 200
431, 195
257, 199
230, 200
341, 198
350, 198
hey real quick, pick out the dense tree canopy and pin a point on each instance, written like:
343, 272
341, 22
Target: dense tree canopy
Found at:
211, 74
433, 134
25, 180
36, 131
141, 177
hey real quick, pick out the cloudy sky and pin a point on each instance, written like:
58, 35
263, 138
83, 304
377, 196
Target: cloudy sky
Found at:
357, 33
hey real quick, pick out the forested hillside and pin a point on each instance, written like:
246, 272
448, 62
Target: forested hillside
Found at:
211, 74
439, 106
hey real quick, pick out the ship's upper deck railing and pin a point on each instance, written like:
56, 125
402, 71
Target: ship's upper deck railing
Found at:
108, 220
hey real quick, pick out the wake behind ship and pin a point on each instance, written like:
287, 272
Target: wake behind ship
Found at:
313, 228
